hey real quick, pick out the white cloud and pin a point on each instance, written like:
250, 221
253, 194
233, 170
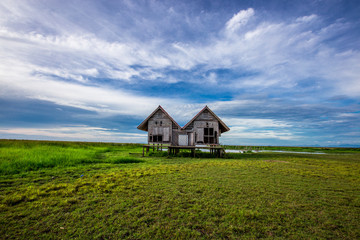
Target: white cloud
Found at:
16, 80
256, 123
212, 78
239, 19
79, 132
83, 51
307, 18
229, 106
260, 134
283, 55
79, 75
251, 128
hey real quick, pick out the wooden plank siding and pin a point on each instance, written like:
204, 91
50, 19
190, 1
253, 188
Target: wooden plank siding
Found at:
159, 125
204, 128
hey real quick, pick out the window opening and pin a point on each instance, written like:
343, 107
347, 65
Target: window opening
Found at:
157, 138
209, 136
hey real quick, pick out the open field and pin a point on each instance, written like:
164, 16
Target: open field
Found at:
64, 190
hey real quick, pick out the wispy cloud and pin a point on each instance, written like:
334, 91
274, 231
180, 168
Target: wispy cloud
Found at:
245, 128
18, 80
74, 133
257, 123
239, 19
257, 134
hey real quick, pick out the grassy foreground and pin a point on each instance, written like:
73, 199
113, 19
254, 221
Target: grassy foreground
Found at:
62, 190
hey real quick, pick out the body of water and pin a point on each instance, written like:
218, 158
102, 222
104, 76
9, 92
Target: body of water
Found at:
276, 151
256, 151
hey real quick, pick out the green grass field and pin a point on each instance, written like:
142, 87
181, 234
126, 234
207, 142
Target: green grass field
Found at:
67, 190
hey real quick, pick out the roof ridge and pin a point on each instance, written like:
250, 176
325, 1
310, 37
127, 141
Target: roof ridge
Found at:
212, 113
163, 110
186, 125
169, 116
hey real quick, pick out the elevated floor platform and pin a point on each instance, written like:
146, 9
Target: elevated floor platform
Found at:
173, 150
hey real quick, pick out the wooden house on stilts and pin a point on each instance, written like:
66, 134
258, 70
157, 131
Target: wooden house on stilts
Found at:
204, 129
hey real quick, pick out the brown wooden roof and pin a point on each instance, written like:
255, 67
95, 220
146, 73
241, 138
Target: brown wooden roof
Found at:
144, 126
223, 126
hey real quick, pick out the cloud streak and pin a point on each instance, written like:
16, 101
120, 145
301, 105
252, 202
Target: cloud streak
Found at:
93, 98
73, 133
239, 19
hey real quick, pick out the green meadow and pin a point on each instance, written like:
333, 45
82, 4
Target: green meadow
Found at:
77, 190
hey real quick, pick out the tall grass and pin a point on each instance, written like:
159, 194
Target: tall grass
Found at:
21, 156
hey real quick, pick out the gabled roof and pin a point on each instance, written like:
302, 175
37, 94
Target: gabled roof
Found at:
144, 126
222, 126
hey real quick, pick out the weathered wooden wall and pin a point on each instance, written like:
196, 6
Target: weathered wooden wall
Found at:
204, 120
160, 124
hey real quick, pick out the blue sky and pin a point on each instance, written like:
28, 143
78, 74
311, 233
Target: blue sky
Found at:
276, 72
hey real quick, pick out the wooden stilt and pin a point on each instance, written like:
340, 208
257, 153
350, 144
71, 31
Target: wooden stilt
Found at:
173, 150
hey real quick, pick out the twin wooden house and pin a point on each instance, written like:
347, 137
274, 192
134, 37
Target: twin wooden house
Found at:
204, 129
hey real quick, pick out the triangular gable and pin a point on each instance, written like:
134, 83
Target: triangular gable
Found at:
143, 126
223, 126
